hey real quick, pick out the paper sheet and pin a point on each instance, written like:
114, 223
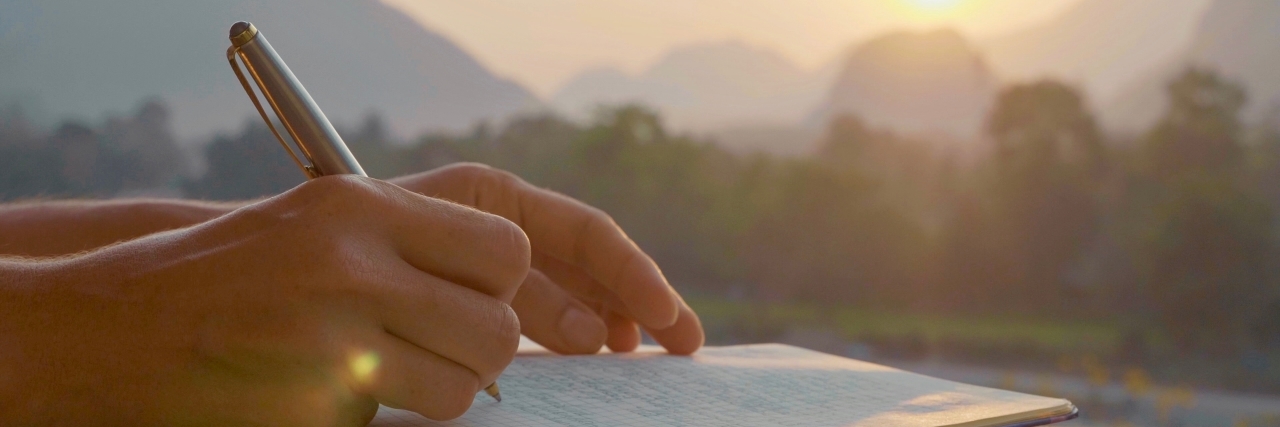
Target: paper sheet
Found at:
755, 385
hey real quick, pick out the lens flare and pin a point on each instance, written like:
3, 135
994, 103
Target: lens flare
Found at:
364, 364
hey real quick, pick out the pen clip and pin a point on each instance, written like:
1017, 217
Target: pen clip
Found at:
307, 169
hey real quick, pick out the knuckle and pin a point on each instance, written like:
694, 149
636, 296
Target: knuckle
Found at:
344, 185
502, 186
507, 335
501, 340
443, 394
468, 171
342, 192
498, 180
454, 402
600, 218
505, 248
595, 221
495, 184
518, 252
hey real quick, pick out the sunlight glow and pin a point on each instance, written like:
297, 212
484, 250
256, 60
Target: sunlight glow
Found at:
934, 5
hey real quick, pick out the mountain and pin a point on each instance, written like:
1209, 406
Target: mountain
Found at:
1238, 38
701, 87
916, 82
1098, 44
85, 58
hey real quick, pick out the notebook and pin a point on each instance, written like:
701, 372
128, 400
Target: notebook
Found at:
746, 385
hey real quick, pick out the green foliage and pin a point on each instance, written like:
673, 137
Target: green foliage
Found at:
1020, 233
1201, 130
838, 229
1210, 237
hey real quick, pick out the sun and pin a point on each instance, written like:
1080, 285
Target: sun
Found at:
934, 5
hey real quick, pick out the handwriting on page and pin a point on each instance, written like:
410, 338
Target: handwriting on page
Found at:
765, 385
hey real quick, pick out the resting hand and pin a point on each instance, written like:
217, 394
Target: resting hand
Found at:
590, 284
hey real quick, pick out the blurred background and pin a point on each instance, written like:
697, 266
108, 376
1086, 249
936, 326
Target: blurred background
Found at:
1066, 197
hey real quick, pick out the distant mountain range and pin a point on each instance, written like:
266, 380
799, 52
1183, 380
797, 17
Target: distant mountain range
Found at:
1099, 45
932, 81
1238, 38
708, 86
85, 58
916, 82
910, 81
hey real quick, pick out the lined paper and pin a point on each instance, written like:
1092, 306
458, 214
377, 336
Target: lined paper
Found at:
753, 385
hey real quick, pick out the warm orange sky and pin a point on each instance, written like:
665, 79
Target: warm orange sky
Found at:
541, 43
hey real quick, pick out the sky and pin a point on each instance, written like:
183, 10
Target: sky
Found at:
543, 43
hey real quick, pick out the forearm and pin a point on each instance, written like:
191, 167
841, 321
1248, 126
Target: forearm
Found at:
22, 282
51, 228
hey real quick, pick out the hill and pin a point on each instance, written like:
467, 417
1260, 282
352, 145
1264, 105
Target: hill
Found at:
85, 58
1238, 38
704, 87
915, 82
1098, 44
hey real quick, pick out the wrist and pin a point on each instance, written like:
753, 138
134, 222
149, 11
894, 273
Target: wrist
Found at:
65, 227
169, 214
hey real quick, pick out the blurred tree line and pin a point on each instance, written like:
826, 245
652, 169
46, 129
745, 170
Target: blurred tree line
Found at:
1174, 229
121, 156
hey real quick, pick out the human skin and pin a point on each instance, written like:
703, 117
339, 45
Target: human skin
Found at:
309, 307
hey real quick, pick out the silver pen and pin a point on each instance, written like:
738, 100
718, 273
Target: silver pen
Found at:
315, 139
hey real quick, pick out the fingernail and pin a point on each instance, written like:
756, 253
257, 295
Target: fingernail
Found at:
581, 330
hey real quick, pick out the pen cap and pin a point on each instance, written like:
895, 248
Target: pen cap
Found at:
300, 115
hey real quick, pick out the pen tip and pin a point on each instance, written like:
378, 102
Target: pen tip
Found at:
492, 390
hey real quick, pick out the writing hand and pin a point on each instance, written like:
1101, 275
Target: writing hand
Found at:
590, 284
297, 310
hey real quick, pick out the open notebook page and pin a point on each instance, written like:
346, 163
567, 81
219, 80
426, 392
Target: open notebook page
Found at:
752, 385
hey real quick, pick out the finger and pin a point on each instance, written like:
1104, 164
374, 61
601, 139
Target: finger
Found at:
455, 322
586, 237
579, 235
402, 375
684, 337
574, 280
458, 243
624, 335
554, 318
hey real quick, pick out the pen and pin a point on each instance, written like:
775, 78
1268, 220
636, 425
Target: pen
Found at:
315, 138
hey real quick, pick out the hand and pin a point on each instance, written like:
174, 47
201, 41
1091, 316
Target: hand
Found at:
298, 310
590, 284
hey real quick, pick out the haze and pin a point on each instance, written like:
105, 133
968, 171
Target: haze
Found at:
541, 44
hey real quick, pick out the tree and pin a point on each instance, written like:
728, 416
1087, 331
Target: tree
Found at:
1043, 131
28, 166
1036, 210
1201, 130
150, 159
1210, 236
372, 146
251, 164
136, 153
832, 231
